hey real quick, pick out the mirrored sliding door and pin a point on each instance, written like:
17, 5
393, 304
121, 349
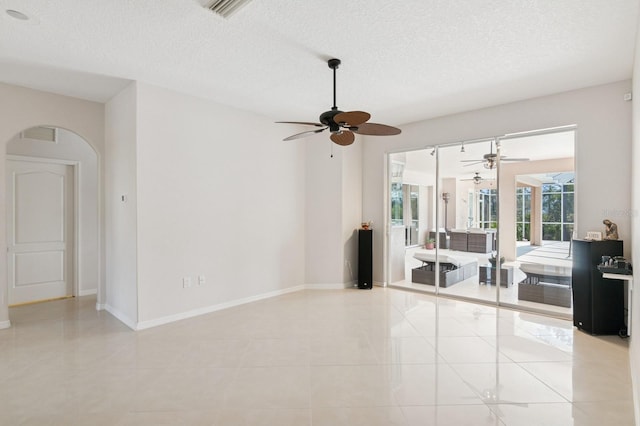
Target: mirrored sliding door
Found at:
537, 218
494, 218
467, 173
412, 213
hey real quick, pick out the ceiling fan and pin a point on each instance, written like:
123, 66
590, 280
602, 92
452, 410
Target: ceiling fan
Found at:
490, 160
343, 125
477, 179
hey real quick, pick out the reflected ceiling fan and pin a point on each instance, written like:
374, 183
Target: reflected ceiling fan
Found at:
477, 179
343, 125
490, 160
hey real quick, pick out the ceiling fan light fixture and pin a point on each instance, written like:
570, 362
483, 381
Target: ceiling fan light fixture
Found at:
343, 125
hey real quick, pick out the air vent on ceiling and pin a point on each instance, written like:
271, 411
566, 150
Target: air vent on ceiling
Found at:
41, 133
226, 8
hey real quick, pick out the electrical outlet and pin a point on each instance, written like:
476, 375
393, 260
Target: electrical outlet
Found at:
186, 282
201, 280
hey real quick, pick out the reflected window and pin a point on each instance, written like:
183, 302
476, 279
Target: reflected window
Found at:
488, 208
396, 204
404, 202
523, 213
558, 209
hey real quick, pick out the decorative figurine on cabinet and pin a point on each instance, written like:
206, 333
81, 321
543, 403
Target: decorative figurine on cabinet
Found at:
611, 230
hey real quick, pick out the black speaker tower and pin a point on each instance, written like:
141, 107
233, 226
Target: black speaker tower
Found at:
365, 258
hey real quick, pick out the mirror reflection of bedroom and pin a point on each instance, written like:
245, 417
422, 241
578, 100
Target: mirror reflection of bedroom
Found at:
454, 207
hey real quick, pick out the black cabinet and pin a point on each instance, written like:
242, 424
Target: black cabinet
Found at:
598, 303
365, 258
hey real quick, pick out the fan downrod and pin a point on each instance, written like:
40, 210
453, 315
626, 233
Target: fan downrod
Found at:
327, 116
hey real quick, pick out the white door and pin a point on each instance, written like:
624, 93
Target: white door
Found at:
39, 230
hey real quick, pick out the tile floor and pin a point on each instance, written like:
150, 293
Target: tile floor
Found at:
334, 357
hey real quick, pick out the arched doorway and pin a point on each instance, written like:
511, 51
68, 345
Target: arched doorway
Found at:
51, 174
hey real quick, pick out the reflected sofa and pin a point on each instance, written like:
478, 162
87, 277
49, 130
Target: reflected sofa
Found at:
451, 269
474, 240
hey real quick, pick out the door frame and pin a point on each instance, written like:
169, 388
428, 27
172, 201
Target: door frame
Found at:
75, 165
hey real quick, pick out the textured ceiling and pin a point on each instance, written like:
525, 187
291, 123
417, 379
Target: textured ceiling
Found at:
402, 61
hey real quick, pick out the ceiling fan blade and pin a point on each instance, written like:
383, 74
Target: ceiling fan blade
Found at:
302, 122
375, 129
352, 118
343, 138
303, 134
513, 159
471, 161
473, 164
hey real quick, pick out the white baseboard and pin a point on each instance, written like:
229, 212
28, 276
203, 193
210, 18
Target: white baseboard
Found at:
635, 380
208, 309
142, 325
100, 306
89, 292
339, 286
120, 316
333, 286
5, 324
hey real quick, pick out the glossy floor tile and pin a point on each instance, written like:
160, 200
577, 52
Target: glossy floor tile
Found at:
334, 357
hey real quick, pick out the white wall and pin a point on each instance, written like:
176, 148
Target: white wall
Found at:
351, 209
420, 170
323, 228
634, 214
333, 212
603, 122
424, 213
448, 185
219, 195
121, 222
21, 109
461, 201
70, 146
